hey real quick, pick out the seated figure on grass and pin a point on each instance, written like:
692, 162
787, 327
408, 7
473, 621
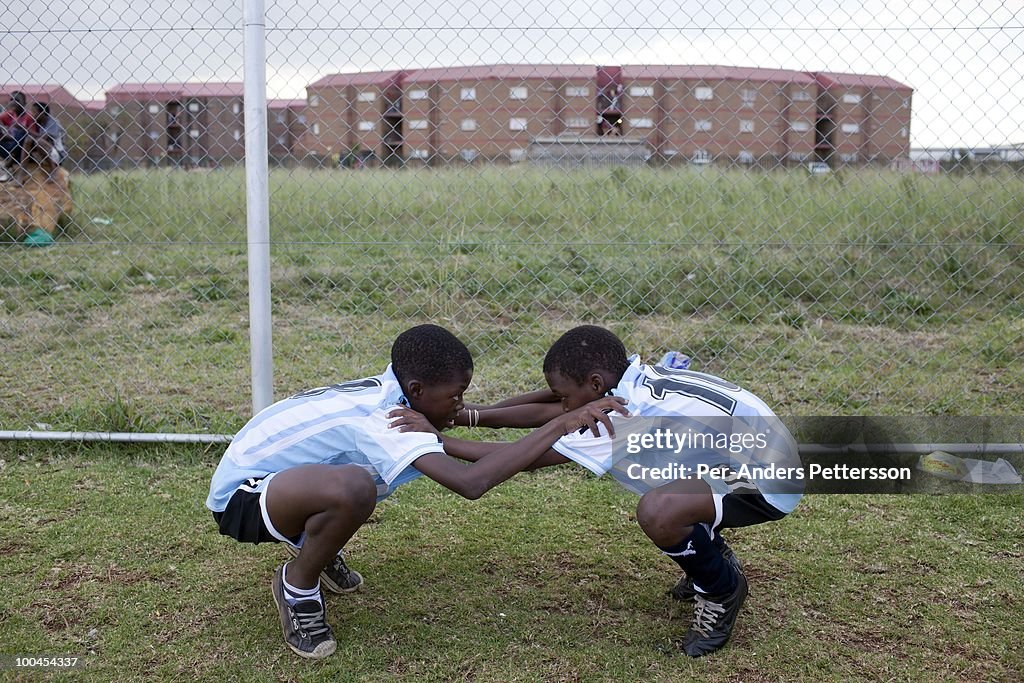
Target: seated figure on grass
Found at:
713, 442
309, 470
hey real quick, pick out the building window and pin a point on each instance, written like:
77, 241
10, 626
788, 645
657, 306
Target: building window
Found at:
517, 124
418, 94
316, 129
418, 124
577, 122
641, 91
577, 91
366, 96
701, 157
851, 98
468, 94
194, 107
237, 134
703, 92
749, 96
154, 109
702, 125
644, 122
468, 124
746, 126
236, 108
903, 132
314, 100
365, 125
800, 126
194, 133
517, 93
801, 96
850, 128
153, 135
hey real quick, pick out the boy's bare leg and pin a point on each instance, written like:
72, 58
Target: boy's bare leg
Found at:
329, 503
674, 517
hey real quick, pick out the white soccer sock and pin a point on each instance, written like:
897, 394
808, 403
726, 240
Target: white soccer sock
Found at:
293, 595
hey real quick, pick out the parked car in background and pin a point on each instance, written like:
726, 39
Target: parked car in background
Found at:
818, 168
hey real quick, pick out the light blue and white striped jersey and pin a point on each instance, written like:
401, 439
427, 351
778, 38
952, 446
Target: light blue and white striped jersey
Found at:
711, 421
336, 425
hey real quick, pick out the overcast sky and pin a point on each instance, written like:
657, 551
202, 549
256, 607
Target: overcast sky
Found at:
964, 60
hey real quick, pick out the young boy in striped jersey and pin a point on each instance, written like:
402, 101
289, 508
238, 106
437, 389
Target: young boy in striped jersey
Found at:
715, 440
309, 470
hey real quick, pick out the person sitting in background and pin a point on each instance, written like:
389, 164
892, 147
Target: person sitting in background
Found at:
15, 125
49, 130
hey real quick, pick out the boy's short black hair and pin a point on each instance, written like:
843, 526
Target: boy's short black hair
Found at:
430, 354
584, 350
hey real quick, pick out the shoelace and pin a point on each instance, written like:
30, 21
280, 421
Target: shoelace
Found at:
339, 566
706, 614
311, 623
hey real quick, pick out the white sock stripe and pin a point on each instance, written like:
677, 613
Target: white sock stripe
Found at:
298, 592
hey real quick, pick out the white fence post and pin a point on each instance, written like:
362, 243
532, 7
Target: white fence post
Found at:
258, 204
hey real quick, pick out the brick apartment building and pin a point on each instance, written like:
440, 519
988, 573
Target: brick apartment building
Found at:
192, 124
699, 113
862, 118
286, 123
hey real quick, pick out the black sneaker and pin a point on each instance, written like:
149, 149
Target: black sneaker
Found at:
304, 624
337, 577
713, 620
684, 590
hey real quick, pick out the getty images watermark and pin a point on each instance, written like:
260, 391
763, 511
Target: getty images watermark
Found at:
708, 445
847, 455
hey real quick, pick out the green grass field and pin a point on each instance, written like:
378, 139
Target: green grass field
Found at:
861, 293
112, 557
864, 293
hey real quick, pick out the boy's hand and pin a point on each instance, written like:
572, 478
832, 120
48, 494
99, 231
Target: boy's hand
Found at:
408, 420
592, 413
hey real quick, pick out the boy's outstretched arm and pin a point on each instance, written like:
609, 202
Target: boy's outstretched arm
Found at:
504, 460
465, 449
532, 409
539, 396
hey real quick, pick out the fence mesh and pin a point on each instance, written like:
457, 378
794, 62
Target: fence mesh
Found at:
821, 202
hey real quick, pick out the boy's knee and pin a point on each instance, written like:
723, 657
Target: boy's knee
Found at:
664, 515
652, 512
354, 489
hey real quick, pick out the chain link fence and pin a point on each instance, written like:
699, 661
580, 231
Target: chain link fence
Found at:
820, 202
